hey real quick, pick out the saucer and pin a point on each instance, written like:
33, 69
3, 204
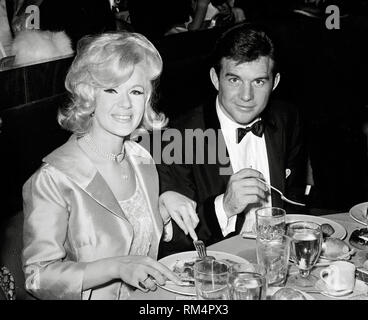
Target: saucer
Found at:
272, 290
360, 288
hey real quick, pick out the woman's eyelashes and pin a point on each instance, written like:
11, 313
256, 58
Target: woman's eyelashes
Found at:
137, 92
110, 90
133, 91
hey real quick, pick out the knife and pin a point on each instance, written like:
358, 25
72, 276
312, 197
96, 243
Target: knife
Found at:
362, 274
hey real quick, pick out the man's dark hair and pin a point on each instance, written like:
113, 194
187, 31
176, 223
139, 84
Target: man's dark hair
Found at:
243, 43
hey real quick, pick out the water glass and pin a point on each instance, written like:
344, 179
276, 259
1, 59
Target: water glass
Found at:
247, 282
211, 279
306, 244
270, 222
274, 256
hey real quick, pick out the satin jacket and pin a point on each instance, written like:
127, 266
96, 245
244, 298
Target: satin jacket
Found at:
71, 217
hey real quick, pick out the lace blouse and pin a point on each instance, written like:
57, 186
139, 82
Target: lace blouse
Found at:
136, 210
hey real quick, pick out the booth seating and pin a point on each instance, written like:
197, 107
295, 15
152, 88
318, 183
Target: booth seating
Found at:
29, 83
28, 133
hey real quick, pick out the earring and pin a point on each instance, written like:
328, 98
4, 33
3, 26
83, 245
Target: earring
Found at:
92, 114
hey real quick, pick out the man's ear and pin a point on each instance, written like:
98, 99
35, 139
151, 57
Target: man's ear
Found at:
214, 78
276, 81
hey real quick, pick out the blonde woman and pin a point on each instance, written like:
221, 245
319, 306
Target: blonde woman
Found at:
92, 225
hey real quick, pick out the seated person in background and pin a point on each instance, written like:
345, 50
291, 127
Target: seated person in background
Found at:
122, 15
199, 12
204, 14
227, 193
317, 8
207, 14
91, 221
225, 13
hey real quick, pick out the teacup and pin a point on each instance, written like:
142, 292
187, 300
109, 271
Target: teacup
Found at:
339, 276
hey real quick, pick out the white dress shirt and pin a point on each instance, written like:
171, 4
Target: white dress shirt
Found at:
251, 152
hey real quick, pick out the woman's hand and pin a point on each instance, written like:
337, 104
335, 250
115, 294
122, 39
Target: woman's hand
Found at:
181, 209
143, 272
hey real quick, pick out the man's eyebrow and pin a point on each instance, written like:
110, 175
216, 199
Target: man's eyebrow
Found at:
265, 77
230, 74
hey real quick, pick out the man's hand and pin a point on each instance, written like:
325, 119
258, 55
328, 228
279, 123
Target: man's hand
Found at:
243, 189
181, 209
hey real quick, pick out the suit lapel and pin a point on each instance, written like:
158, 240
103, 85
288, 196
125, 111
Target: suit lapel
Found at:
274, 139
211, 122
225, 170
101, 192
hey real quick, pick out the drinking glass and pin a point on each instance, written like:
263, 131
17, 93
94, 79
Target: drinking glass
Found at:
270, 222
247, 282
274, 255
306, 243
211, 279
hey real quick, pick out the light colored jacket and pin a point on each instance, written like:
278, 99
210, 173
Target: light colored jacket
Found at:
71, 217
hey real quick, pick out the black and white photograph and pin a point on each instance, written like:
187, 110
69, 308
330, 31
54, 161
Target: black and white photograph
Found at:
172, 153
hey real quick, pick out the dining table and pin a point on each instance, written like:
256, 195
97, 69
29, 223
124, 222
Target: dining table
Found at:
246, 248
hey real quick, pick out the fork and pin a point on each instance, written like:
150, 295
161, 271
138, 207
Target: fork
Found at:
200, 248
282, 195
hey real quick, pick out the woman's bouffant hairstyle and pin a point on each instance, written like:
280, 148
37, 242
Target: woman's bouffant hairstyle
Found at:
106, 61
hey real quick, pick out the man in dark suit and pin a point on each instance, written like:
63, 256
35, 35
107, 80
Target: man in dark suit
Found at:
268, 147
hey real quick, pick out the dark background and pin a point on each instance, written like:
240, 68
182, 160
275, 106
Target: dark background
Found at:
323, 72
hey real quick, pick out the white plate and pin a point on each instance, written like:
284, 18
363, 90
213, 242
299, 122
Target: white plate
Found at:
360, 288
170, 261
340, 231
359, 213
272, 290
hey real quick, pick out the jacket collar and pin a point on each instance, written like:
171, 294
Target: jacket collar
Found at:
75, 164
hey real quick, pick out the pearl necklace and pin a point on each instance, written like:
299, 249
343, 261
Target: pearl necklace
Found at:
104, 154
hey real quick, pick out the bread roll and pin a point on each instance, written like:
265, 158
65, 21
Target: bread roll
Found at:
334, 248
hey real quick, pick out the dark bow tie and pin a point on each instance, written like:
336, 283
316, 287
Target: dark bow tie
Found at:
257, 128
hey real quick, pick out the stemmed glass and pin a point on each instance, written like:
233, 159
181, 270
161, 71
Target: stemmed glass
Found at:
306, 244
